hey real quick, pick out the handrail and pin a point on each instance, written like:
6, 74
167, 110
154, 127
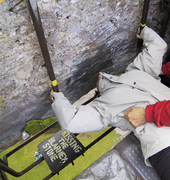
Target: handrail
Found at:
27, 142
34, 12
143, 23
32, 6
39, 31
18, 174
4, 164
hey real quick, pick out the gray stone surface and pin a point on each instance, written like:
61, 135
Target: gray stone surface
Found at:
124, 162
83, 37
110, 166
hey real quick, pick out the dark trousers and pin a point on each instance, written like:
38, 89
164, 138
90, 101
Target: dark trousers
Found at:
161, 163
165, 80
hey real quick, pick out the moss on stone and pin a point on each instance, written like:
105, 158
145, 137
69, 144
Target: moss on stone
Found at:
35, 126
3, 102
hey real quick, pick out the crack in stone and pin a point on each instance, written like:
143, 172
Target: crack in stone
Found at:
20, 5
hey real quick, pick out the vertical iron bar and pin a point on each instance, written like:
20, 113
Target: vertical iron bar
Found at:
166, 19
34, 12
143, 22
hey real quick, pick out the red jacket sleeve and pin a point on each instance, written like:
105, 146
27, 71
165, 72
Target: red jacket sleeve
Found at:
159, 113
166, 69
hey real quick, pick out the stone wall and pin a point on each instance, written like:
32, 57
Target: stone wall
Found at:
83, 37
123, 161
111, 166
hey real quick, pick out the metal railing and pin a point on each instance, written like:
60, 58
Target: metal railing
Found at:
4, 163
34, 12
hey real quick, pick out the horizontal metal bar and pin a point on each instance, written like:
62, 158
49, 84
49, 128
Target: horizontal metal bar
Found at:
18, 174
50, 176
3, 162
87, 147
31, 139
3, 175
99, 138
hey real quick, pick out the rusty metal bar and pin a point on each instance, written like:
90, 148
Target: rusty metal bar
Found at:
142, 24
34, 12
145, 13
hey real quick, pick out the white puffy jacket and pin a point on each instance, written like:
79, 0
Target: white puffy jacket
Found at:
139, 86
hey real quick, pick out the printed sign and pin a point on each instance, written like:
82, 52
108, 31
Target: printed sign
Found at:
61, 149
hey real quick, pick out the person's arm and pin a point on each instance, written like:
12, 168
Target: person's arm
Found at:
150, 59
166, 69
159, 113
77, 120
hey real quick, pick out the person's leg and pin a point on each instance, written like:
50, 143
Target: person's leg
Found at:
165, 80
161, 163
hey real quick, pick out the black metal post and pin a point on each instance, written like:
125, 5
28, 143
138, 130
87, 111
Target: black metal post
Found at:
34, 12
143, 23
166, 19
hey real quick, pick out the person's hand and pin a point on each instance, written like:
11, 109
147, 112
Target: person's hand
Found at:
138, 33
136, 116
51, 94
99, 77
